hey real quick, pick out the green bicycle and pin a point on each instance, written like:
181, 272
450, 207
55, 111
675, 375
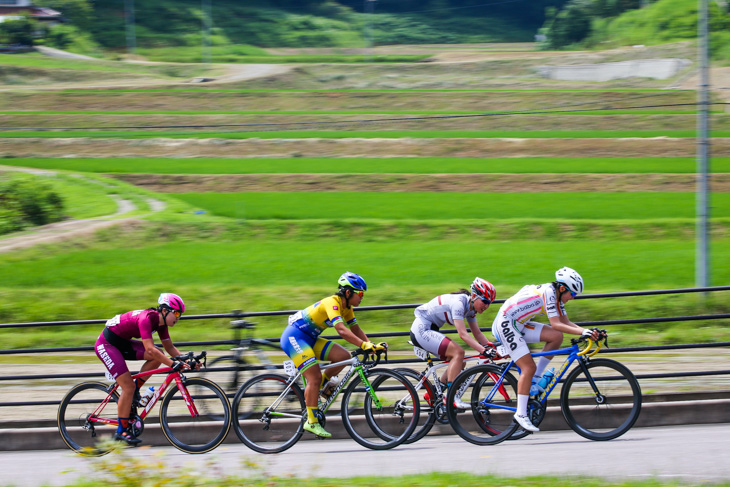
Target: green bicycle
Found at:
379, 408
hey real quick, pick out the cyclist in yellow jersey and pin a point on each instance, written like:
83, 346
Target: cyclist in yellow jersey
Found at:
301, 341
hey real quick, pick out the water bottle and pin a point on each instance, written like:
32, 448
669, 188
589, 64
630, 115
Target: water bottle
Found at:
547, 377
146, 396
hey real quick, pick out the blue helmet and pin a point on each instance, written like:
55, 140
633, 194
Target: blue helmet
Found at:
352, 281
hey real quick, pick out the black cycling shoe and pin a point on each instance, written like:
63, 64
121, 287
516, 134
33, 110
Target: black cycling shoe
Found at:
127, 437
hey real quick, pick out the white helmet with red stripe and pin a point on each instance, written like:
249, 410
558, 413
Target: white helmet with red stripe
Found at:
483, 289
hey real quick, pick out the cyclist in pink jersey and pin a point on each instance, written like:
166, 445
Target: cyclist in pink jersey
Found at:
456, 309
117, 344
513, 326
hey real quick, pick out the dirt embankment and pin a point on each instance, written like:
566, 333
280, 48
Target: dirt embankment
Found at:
464, 183
404, 147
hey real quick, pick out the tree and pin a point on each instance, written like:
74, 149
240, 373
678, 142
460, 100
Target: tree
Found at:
18, 31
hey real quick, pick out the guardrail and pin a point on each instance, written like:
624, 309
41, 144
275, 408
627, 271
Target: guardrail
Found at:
243, 315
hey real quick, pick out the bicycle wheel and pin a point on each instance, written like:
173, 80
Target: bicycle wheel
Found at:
428, 413
387, 423
490, 420
604, 405
268, 413
78, 413
230, 380
196, 433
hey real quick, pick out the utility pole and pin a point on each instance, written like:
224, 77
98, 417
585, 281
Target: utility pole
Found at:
368, 8
129, 20
702, 249
207, 25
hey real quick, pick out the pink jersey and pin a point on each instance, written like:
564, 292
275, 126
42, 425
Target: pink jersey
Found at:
532, 301
139, 323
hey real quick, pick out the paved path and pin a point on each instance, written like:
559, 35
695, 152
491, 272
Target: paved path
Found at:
695, 454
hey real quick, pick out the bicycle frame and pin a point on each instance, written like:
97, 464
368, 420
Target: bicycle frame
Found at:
574, 353
355, 366
175, 376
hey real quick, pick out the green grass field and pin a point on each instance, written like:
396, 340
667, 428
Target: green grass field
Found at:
361, 165
455, 206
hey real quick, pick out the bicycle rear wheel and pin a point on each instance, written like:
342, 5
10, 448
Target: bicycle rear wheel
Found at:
268, 413
77, 415
604, 405
490, 420
427, 414
387, 423
196, 433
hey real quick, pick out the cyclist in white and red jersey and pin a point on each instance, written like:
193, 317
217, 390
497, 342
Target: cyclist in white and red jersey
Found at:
117, 344
513, 326
456, 309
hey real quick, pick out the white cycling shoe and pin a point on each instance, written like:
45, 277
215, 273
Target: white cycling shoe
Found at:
525, 423
459, 404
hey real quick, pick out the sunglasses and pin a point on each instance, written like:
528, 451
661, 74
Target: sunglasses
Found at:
359, 293
572, 293
176, 313
485, 300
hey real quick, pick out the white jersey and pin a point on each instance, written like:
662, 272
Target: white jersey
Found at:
445, 309
532, 301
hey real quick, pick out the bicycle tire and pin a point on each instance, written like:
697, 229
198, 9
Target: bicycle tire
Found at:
201, 433
483, 425
79, 403
608, 414
271, 431
387, 426
427, 413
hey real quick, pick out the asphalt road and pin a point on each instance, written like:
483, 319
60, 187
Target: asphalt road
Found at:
693, 453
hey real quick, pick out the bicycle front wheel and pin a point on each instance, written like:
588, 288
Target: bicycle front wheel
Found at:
602, 404
83, 416
200, 432
382, 413
428, 409
493, 404
268, 412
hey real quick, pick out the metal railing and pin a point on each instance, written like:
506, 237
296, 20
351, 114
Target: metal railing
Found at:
236, 315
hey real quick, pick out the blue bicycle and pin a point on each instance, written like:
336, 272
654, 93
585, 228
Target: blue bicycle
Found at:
600, 398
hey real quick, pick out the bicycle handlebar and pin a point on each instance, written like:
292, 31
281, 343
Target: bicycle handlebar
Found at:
191, 359
366, 353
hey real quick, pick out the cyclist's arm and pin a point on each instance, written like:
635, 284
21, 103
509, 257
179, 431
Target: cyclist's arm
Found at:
151, 352
562, 323
470, 340
478, 335
352, 334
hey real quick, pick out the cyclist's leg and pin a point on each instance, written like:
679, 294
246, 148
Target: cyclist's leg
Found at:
425, 336
299, 347
329, 351
509, 332
539, 332
113, 360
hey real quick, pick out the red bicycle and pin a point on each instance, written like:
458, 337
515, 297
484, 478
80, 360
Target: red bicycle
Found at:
195, 414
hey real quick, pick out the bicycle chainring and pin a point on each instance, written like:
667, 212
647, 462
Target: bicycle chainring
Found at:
442, 415
136, 426
536, 411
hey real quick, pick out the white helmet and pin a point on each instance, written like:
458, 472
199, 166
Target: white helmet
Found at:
570, 279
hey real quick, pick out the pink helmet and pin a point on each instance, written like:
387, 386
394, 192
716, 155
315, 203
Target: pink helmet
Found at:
172, 301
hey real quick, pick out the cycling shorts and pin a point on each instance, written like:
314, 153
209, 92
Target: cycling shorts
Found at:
515, 335
304, 350
114, 355
427, 336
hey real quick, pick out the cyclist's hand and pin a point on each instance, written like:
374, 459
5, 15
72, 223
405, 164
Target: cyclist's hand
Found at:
381, 346
178, 365
592, 333
368, 346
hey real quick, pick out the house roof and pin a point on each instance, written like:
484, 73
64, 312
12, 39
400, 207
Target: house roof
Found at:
35, 12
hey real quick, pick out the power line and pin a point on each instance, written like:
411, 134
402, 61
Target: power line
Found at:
554, 110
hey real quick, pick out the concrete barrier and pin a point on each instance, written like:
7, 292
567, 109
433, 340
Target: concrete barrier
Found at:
659, 410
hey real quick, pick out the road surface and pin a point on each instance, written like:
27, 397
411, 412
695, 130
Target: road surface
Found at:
692, 453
